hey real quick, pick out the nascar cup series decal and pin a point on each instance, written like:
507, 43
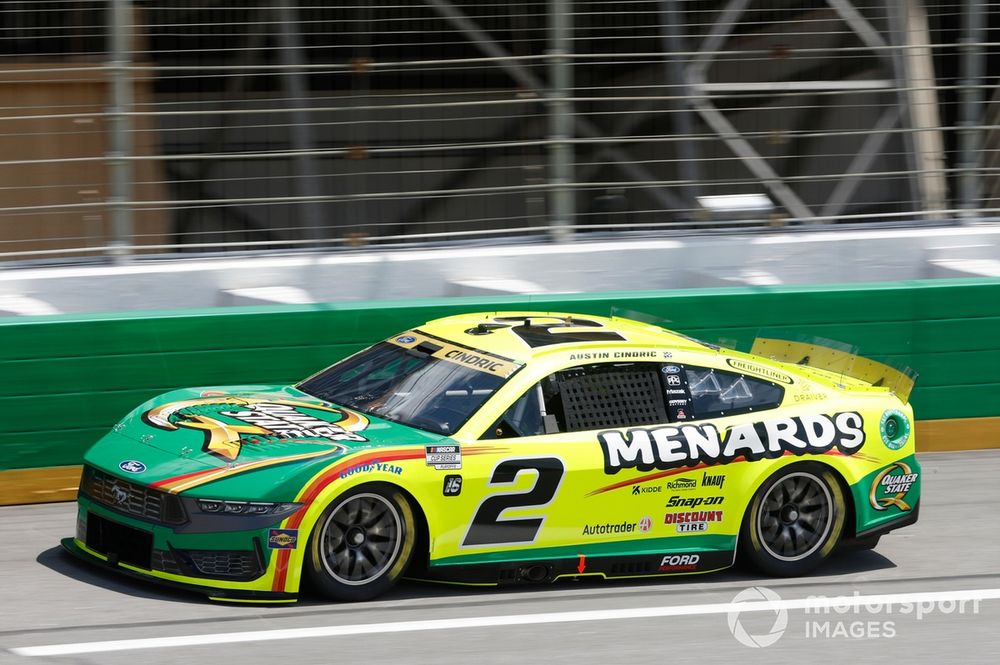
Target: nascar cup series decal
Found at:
891, 485
229, 422
689, 445
443, 457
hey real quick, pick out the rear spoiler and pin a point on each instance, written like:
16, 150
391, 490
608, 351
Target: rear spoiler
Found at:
838, 358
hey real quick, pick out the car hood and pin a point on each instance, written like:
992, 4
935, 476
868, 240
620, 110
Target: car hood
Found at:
233, 425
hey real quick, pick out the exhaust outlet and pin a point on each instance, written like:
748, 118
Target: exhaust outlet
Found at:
535, 574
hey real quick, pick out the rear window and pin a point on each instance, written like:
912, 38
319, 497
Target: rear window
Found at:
716, 393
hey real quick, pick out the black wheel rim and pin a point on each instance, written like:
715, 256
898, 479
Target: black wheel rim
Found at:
795, 516
361, 539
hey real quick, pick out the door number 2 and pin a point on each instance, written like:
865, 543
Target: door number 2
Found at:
489, 528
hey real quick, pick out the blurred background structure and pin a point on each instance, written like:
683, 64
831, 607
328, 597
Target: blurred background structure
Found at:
183, 156
139, 129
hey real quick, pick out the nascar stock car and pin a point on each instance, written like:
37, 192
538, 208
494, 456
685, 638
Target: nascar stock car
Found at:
506, 448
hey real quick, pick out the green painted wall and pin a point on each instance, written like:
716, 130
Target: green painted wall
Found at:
64, 380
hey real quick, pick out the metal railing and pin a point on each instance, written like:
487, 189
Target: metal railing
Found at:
130, 128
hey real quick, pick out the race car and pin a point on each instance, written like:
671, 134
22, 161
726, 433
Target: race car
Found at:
506, 448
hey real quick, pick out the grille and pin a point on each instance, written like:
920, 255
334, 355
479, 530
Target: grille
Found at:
164, 561
119, 542
131, 499
231, 564
632, 567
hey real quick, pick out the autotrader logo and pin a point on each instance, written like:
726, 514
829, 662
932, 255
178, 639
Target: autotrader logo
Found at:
764, 639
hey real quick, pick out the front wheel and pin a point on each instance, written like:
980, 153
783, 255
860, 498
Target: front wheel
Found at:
794, 520
362, 543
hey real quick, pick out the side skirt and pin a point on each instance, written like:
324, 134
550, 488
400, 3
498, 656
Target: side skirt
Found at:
605, 567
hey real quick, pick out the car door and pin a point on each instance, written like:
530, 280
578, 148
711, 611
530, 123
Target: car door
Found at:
547, 492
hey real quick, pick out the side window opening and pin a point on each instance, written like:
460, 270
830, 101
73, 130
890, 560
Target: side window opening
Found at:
608, 396
703, 384
584, 398
525, 417
716, 393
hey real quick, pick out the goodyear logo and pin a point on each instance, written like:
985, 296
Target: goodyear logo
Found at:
282, 539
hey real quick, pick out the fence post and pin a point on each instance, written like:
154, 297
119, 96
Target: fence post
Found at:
561, 120
681, 115
292, 56
120, 139
970, 108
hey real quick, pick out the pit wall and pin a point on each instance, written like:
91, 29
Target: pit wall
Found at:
67, 379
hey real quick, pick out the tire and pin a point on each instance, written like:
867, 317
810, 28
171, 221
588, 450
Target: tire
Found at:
362, 543
794, 521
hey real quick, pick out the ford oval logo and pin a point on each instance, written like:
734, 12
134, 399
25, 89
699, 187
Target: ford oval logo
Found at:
132, 466
406, 339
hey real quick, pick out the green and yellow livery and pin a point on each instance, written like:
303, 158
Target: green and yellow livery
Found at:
506, 448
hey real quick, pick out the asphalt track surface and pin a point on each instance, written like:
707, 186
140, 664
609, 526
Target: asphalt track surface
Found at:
950, 560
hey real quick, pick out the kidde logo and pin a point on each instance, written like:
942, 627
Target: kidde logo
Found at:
636, 489
679, 562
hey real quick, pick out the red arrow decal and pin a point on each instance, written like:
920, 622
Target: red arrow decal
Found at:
582, 566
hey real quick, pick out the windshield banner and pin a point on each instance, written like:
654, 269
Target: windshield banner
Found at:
459, 355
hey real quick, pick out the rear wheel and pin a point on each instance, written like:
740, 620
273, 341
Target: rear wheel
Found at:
794, 520
362, 543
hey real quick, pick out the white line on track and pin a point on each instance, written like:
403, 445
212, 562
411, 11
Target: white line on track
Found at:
818, 603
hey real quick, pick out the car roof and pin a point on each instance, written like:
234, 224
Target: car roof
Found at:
523, 335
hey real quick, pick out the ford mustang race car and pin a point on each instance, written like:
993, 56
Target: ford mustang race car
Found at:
506, 448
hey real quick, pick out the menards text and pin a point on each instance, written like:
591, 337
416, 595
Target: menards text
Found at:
689, 445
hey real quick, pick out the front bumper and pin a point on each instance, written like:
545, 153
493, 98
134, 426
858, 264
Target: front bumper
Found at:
231, 566
81, 551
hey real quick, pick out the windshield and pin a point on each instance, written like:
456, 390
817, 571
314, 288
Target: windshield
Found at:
409, 386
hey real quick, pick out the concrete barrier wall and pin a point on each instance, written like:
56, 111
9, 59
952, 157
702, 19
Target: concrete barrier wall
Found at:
67, 379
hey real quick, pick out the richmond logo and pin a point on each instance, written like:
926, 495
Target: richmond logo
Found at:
229, 422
